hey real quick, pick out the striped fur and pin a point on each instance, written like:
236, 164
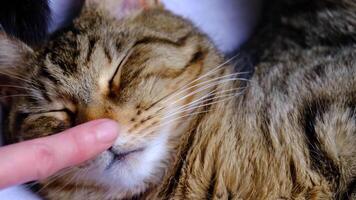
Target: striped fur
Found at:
287, 133
292, 134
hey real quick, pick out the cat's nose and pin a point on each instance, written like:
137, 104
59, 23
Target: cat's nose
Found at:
92, 112
111, 149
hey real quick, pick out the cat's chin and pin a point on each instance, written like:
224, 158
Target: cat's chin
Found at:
132, 172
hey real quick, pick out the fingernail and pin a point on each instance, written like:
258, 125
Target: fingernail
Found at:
107, 131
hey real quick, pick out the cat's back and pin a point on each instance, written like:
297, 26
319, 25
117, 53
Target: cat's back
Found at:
302, 96
291, 135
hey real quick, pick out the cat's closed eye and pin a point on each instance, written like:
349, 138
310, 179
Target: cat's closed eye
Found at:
114, 82
44, 123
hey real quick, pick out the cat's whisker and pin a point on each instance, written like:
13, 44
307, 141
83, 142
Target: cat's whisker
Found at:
15, 95
15, 86
176, 93
32, 84
72, 179
55, 177
200, 90
197, 101
221, 79
203, 98
68, 181
219, 67
190, 105
151, 129
190, 114
17, 77
61, 173
175, 120
183, 117
214, 69
217, 82
184, 89
82, 174
213, 84
226, 97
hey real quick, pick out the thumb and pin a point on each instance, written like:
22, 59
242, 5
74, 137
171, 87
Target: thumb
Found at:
40, 158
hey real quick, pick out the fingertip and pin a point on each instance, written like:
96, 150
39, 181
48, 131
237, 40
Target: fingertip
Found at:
106, 131
48, 155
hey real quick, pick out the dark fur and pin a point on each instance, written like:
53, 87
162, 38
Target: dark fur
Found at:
25, 19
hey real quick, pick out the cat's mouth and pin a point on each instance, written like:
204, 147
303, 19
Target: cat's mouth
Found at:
117, 157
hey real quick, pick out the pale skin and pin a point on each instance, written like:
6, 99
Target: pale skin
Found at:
39, 158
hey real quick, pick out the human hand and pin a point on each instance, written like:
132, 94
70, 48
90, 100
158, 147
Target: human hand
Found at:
39, 158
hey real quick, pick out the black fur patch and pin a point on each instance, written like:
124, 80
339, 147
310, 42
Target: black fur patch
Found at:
320, 161
26, 19
350, 191
265, 123
211, 189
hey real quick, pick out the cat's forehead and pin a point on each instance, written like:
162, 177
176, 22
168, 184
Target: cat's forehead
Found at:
87, 54
75, 45
73, 61
93, 37
82, 50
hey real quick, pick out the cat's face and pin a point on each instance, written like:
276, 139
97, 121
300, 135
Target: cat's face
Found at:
147, 72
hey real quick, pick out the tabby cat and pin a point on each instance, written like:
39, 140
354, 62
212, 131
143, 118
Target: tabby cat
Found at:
192, 127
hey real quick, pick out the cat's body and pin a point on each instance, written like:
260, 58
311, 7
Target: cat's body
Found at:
290, 134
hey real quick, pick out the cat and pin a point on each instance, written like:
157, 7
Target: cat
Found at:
89, 71
192, 127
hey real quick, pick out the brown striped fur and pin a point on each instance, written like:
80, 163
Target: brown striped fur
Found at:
291, 134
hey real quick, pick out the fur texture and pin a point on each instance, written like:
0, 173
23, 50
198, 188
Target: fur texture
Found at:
194, 129
292, 133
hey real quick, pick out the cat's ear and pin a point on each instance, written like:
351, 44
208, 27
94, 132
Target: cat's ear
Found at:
14, 56
122, 8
